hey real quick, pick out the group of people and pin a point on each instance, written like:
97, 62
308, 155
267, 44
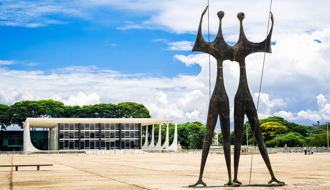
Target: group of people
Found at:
308, 151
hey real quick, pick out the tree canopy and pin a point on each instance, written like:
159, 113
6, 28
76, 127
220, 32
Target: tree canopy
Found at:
18, 112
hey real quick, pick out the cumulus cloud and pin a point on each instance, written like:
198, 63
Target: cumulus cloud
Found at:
181, 46
7, 62
82, 99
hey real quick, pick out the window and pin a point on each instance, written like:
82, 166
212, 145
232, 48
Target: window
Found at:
97, 134
86, 134
66, 144
66, 126
102, 127
122, 134
102, 144
107, 127
71, 126
131, 135
107, 134
97, 144
137, 134
91, 126
86, 143
76, 144
116, 134
112, 135
126, 134
122, 144
82, 145
136, 127
117, 126
71, 135
71, 145
82, 126
61, 127
122, 126
92, 145
61, 135
117, 143
76, 126
112, 126
137, 143
61, 145
97, 126
102, 134
132, 144
66, 135
127, 144
131, 126
86, 126
126, 126
82, 135
91, 135
76, 135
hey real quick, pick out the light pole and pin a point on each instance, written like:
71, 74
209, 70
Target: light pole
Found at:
328, 135
247, 136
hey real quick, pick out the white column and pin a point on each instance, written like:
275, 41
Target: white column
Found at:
145, 146
166, 143
159, 143
152, 143
27, 145
174, 145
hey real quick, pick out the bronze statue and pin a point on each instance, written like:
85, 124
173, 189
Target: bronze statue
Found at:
219, 103
243, 103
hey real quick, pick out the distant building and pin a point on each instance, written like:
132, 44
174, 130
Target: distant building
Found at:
215, 140
95, 133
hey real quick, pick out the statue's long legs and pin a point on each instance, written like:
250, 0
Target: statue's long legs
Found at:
251, 114
225, 130
238, 129
210, 125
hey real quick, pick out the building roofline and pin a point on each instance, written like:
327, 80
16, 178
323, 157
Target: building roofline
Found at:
52, 122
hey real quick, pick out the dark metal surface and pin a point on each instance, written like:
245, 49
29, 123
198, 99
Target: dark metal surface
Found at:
243, 104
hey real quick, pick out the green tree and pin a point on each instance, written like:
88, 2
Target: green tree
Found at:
319, 140
42, 108
270, 129
4, 116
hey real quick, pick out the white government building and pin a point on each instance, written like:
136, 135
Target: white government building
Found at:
99, 133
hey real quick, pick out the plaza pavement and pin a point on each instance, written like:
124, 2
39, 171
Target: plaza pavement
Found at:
160, 171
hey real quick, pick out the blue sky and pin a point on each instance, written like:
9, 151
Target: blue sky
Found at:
85, 52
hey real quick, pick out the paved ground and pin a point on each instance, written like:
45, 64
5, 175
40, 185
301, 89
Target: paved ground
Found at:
160, 171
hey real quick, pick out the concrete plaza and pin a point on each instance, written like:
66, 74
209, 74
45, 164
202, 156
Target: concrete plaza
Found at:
160, 171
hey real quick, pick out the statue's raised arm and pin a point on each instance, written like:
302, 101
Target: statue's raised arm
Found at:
245, 47
200, 43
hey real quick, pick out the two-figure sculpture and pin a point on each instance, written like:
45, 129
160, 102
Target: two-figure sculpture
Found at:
243, 102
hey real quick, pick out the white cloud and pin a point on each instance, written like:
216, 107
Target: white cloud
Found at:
82, 99
181, 46
7, 62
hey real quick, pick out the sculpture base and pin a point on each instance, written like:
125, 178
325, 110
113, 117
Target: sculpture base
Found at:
242, 185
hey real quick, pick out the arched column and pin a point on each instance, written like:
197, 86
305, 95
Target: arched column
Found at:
174, 145
159, 142
166, 143
27, 145
145, 146
152, 143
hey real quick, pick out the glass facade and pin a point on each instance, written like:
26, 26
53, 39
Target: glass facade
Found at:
99, 136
